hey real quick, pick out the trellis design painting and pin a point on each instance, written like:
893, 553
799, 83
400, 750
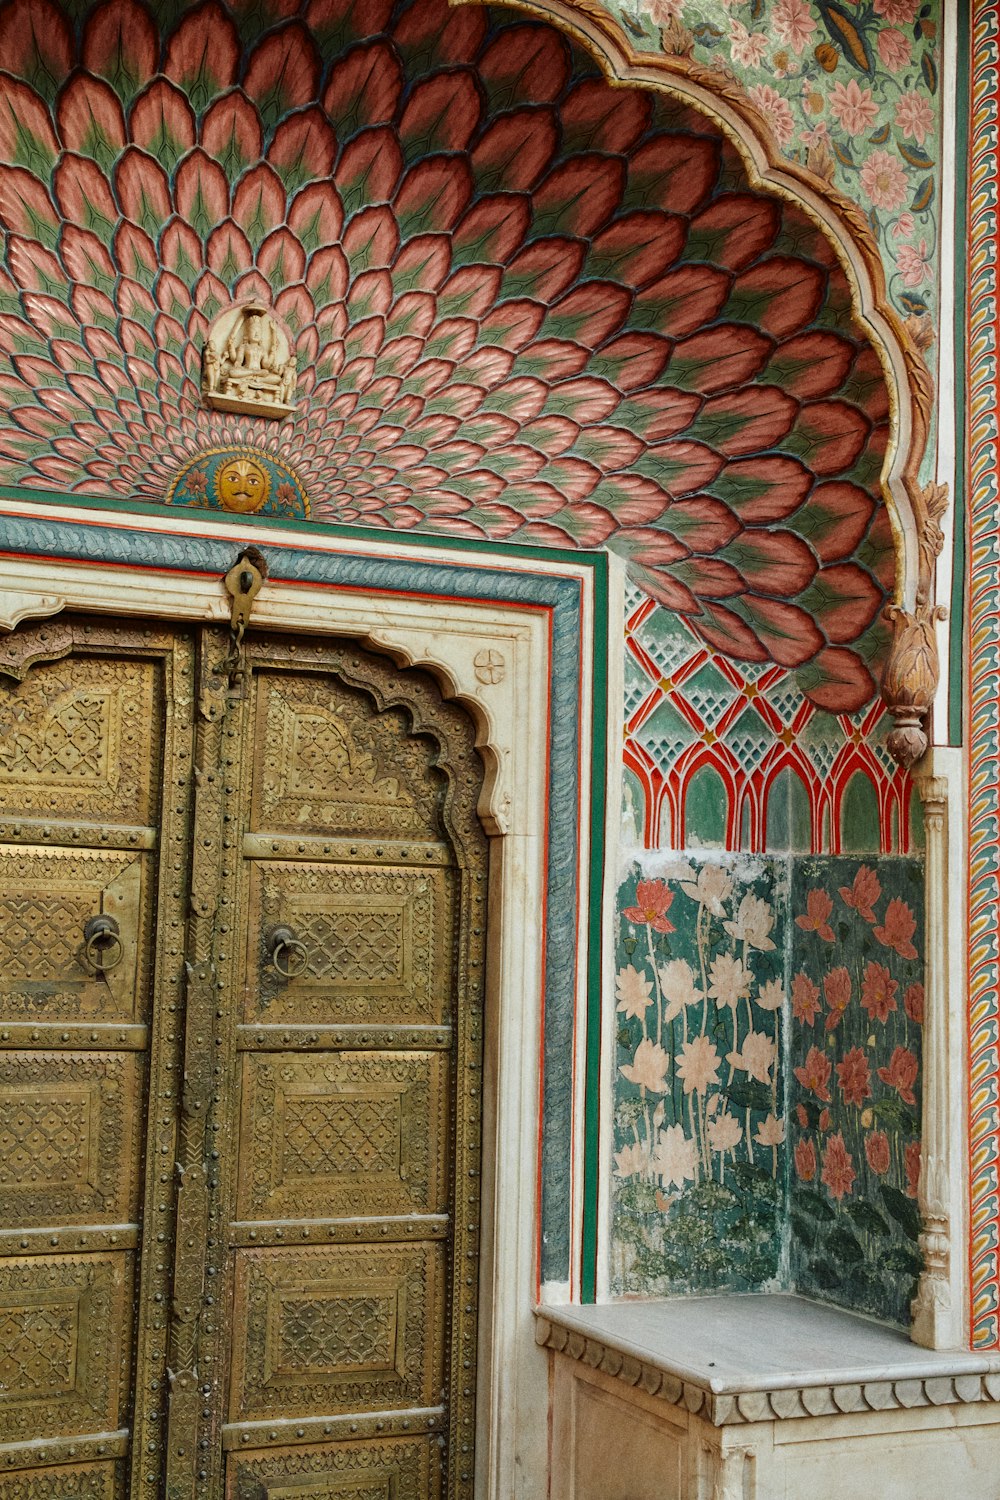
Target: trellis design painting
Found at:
732, 755
526, 306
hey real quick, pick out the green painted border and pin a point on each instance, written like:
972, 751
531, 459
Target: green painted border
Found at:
598, 562
595, 942
956, 639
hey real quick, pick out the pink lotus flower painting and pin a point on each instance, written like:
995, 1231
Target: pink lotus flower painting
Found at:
525, 306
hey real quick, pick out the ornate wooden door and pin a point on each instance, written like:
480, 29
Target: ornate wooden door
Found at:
242, 909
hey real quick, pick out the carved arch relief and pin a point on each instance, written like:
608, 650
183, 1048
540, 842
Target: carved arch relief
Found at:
478, 656
18, 605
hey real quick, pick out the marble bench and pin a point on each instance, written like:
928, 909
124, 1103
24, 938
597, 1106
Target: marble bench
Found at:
768, 1397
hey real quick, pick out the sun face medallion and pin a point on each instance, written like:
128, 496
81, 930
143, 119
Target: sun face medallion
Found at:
242, 485
243, 481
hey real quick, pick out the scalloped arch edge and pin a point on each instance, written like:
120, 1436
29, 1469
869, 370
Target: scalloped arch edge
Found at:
915, 509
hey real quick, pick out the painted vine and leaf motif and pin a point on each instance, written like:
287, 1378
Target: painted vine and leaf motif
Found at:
733, 1171
848, 88
699, 1117
857, 1001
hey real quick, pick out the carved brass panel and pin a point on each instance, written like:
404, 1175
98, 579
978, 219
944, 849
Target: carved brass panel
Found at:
101, 1481
345, 1328
75, 741
69, 1131
47, 896
64, 1345
332, 766
348, 1134
388, 1469
377, 940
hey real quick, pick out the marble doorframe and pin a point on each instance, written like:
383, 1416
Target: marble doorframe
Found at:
495, 658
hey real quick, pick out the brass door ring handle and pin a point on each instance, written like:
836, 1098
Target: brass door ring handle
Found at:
288, 956
103, 946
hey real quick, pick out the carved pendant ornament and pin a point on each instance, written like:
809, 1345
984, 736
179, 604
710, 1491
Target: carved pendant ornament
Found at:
248, 365
910, 679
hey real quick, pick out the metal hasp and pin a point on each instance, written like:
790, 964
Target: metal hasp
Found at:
243, 583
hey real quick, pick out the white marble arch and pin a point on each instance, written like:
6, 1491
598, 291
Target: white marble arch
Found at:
494, 659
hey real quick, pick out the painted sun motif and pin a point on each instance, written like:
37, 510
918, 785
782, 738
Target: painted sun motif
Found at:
526, 306
243, 481
242, 485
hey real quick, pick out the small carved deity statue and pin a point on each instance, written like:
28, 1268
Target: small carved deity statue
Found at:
248, 364
211, 369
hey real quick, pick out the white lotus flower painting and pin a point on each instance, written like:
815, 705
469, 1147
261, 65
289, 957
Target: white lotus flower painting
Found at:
699, 1159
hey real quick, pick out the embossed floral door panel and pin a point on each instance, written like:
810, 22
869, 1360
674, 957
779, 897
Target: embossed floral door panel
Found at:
236, 1113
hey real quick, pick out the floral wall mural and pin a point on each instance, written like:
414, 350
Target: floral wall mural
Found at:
857, 1002
699, 1113
525, 306
767, 1115
849, 90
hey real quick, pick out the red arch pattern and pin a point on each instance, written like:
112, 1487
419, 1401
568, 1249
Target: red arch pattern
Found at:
747, 773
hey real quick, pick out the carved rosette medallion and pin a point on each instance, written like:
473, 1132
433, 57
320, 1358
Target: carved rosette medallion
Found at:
490, 667
241, 480
248, 363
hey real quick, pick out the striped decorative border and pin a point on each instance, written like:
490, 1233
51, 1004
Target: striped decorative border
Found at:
983, 727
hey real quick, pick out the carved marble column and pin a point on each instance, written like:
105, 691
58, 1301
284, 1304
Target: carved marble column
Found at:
938, 1321
735, 1474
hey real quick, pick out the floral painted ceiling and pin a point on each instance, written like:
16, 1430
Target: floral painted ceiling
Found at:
848, 90
526, 306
